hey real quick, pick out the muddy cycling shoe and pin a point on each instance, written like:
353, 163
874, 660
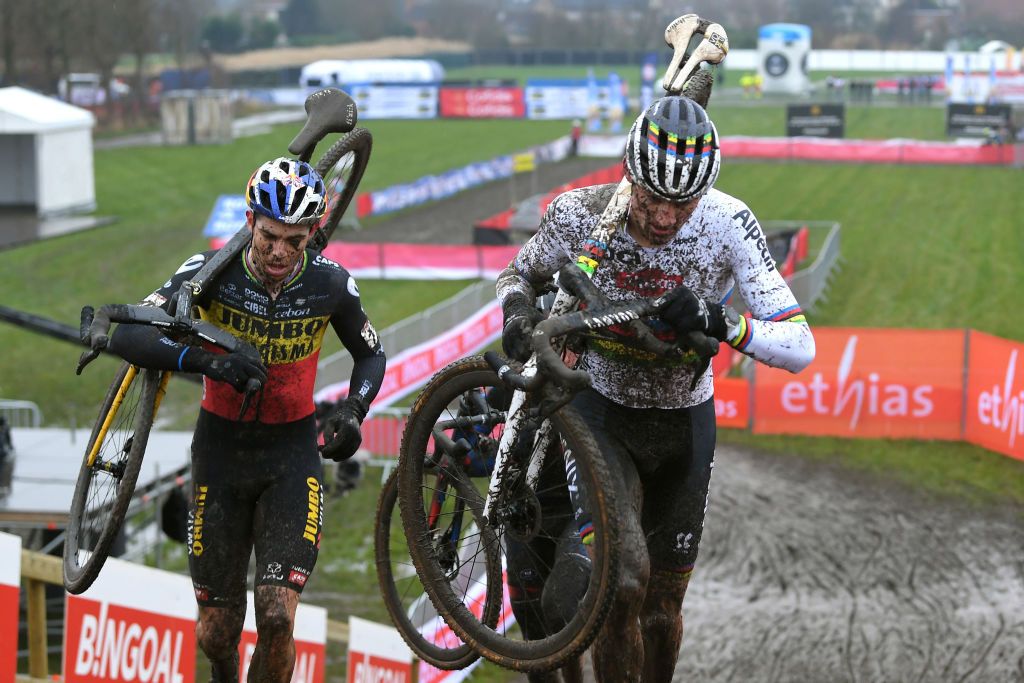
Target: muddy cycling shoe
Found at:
342, 437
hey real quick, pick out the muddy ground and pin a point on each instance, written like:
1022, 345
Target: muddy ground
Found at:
809, 573
812, 573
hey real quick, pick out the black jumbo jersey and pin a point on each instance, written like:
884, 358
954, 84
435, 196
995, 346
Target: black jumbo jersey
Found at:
287, 331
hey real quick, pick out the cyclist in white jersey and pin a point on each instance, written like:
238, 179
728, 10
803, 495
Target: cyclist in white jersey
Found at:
654, 421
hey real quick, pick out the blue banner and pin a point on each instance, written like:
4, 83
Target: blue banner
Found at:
227, 217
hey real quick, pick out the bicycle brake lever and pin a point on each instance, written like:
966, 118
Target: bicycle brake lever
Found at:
86, 358
251, 387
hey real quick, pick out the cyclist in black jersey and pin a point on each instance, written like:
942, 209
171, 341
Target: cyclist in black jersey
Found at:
257, 481
654, 418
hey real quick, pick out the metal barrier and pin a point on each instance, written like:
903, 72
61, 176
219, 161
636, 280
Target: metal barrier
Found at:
809, 284
413, 331
20, 413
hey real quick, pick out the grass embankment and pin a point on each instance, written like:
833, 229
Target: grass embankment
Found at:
162, 197
922, 247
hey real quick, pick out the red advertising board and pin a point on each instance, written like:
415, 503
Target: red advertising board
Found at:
868, 383
482, 103
109, 642
134, 624
377, 653
10, 578
732, 402
995, 394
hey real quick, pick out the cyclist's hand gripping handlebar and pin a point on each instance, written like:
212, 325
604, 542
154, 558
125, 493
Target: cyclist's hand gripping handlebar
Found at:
95, 328
576, 282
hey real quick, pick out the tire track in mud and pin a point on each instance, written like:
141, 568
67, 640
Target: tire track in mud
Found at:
809, 573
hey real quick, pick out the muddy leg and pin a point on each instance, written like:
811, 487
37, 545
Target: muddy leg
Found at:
218, 632
274, 657
662, 623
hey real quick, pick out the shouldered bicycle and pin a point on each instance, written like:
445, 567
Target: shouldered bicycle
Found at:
113, 456
452, 524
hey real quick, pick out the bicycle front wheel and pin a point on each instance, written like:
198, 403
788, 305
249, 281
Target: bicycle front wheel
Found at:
411, 611
110, 468
342, 167
559, 605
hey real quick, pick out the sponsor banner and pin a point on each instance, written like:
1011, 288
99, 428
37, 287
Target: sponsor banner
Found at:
568, 98
867, 151
430, 188
134, 624
830, 149
868, 383
310, 642
412, 368
816, 120
227, 216
10, 580
976, 120
420, 261
482, 103
412, 101
732, 402
609, 146
995, 394
377, 653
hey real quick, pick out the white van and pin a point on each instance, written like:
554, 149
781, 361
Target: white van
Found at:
86, 89
338, 72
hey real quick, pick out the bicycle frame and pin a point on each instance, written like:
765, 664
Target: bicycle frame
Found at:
122, 390
712, 49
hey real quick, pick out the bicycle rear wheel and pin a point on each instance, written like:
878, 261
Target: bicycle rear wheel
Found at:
527, 522
342, 167
110, 468
411, 611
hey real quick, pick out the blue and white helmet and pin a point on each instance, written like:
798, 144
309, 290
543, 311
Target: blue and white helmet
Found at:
287, 190
672, 149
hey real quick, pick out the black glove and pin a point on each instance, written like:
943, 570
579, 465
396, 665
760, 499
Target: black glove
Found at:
341, 430
520, 317
235, 368
686, 312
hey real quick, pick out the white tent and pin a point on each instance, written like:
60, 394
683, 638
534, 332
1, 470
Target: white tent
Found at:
45, 154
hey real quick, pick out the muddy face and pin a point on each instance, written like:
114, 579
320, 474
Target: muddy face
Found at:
654, 221
276, 248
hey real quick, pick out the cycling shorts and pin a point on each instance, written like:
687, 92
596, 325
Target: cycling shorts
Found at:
254, 486
669, 454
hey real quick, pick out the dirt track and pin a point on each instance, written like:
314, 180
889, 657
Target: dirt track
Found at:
809, 573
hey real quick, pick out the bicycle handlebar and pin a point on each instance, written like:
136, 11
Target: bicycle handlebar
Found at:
576, 282
95, 326
509, 376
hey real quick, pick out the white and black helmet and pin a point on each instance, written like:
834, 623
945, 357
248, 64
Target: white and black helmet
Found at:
672, 149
